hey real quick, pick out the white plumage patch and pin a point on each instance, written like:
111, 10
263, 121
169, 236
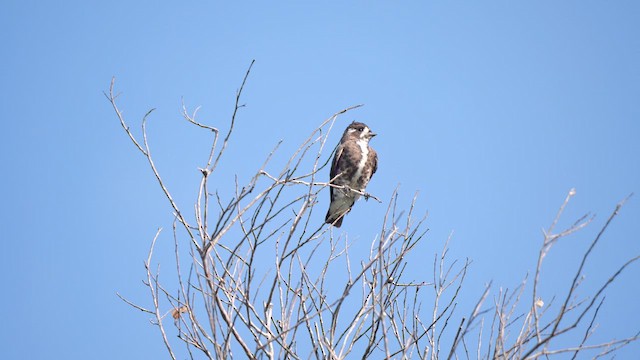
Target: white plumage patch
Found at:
364, 147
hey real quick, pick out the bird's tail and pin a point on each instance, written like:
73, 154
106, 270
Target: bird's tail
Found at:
334, 220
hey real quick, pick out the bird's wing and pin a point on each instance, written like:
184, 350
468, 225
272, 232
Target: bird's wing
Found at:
334, 167
373, 158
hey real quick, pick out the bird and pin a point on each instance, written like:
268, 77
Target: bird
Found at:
353, 165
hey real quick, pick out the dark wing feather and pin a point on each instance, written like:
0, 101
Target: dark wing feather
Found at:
334, 167
374, 160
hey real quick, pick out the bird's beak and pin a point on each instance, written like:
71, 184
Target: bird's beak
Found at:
372, 134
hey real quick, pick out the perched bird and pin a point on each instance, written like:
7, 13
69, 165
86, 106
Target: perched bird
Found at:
353, 165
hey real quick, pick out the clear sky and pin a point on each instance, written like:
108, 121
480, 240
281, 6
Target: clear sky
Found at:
492, 110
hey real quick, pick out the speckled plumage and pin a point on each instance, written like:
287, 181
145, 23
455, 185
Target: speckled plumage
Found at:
353, 165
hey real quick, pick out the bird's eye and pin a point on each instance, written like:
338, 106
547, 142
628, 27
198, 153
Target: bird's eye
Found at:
360, 129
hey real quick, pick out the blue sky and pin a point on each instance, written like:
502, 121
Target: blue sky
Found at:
491, 110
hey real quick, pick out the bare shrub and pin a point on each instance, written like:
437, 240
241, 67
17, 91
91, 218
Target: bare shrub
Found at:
259, 275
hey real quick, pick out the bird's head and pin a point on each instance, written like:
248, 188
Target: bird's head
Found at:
358, 131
